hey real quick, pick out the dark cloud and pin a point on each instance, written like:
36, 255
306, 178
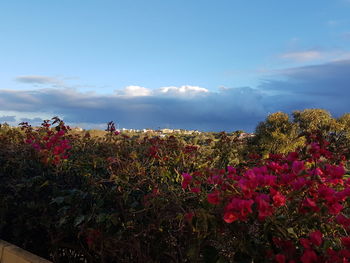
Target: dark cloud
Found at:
228, 109
320, 86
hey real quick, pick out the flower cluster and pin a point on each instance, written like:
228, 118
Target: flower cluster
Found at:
307, 192
50, 142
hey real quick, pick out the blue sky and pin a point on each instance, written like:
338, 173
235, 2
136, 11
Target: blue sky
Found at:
209, 65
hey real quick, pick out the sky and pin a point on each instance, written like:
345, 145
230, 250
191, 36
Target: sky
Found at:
209, 65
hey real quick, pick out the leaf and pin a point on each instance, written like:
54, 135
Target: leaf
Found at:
78, 220
46, 183
62, 221
290, 230
115, 219
101, 218
58, 200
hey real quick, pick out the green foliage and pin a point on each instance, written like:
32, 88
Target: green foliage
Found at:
276, 135
118, 197
115, 198
311, 120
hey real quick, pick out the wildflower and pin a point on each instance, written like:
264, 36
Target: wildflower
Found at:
316, 238
187, 178
278, 199
237, 209
305, 242
345, 242
298, 166
213, 198
342, 220
335, 208
308, 202
264, 208
188, 216
309, 256
195, 190
230, 217
280, 258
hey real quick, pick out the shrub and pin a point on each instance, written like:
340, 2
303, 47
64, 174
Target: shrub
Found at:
75, 197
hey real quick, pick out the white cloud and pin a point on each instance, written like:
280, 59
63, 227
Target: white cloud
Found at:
323, 56
226, 109
136, 91
325, 85
302, 56
172, 91
183, 90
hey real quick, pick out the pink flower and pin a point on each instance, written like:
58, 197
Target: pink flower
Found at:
29, 141
48, 145
309, 256
195, 190
187, 178
189, 216
345, 242
292, 156
299, 183
280, 258
264, 207
279, 199
266, 180
231, 170
238, 209
213, 198
342, 220
336, 172
327, 193
308, 202
230, 217
305, 243
335, 208
316, 238
297, 166
342, 195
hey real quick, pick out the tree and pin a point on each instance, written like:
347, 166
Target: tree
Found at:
344, 121
341, 138
315, 120
277, 134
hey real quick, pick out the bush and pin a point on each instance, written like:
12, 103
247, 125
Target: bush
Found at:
75, 197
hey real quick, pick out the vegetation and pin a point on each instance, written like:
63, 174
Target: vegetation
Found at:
280, 196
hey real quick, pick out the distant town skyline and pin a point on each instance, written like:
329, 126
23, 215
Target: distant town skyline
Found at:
195, 65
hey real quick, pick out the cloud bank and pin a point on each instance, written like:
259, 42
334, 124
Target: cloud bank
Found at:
40, 80
184, 107
188, 107
316, 55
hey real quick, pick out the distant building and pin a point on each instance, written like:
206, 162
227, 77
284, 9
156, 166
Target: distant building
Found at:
147, 130
245, 135
167, 131
78, 129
